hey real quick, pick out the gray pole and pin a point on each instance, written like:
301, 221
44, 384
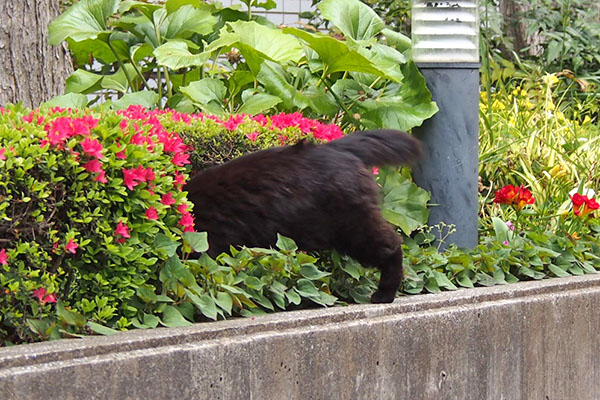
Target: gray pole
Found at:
445, 47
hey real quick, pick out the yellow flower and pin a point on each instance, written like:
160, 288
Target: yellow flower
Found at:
550, 79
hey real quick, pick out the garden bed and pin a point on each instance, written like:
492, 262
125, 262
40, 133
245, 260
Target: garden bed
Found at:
454, 345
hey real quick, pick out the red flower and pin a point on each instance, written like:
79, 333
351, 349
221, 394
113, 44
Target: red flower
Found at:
151, 213
518, 196
3, 257
2, 156
71, 246
179, 180
167, 199
582, 205
92, 147
182, 208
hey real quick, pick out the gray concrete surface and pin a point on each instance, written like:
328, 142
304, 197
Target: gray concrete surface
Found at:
533, 340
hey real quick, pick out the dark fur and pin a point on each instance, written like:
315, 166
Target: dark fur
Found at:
322, 196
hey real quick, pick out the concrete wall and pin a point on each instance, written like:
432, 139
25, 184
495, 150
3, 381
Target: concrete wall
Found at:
535, 340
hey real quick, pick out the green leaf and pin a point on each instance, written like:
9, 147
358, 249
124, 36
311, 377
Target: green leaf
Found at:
101, 329
271, 44
254, 283
69, 100
272, 76
255, 103
186, 21
163, 242
86, 19
306, 288
501, 229
145, 98
396, 40
404, 203
224, 301
175, 55
320, 101
336, 55
118, 81
309, 271
208, 93
172, 318
198, 241
293, 297
82, 81
558, 271
353, 18
285, 243
204, 303
70, 317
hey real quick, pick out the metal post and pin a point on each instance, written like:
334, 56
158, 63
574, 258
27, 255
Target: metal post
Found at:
445, 47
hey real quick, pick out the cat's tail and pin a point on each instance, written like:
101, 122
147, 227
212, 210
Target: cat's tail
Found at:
380, 147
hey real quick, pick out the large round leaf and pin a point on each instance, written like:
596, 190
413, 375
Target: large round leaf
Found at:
355, 19
175, 55
86, 19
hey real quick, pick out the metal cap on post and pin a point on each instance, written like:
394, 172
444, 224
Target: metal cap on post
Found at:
445, 36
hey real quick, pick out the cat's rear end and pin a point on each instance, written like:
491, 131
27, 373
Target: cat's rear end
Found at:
322, 196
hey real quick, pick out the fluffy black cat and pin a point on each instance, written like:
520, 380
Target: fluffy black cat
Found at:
322, 196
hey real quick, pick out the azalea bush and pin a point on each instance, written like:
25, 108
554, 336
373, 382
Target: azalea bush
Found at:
190, 55
97, 234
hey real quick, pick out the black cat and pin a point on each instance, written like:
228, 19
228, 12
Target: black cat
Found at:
322, 196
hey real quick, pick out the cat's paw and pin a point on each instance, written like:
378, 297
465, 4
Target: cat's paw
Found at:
382, 297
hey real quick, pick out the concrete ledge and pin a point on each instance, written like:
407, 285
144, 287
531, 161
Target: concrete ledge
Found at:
533, 340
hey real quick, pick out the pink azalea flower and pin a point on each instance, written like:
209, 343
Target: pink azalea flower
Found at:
43, 296
167, 199
50, 298
180, 159
92, 147
93, 165
130, 178
122, 230
375, 171
187, 221
179, 180
101, 177
71, 246
2, 156
182, 208
39, 293
121, 155
3, 257
252, 136
151, 213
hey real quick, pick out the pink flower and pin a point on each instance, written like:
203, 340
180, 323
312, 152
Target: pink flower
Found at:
375, 171
3, 257
179, 180
182, 208
2, 156
101, 177
92, 147
180, 159
151, 213
130, 178
39, 293
43, 296
187, 221
121, 155
93, 165
252, 136
167, 199
122, 230
71, 246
